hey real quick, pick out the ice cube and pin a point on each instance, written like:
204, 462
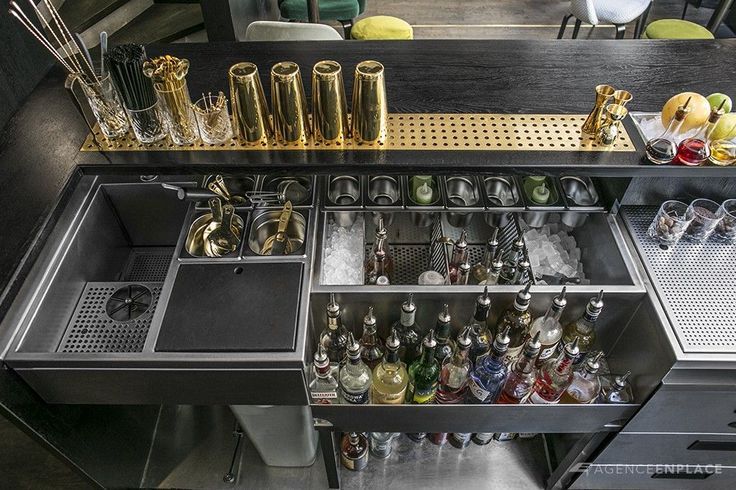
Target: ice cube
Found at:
554, 238
575, 254
553, 229
534, 261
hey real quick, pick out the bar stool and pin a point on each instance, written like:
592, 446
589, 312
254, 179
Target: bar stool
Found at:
269, 30
343, 11
676, 29
617, 12
382, 27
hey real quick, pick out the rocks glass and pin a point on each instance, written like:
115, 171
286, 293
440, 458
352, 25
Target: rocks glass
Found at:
726, 228
213, 119
670, 223
106, 106
704, 218
148, 124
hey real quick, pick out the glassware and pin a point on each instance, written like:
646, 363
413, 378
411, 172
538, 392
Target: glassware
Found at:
380, 261
586, 384
424, 374
381, 444
148, 124
549, 328
329, 107
705, 218
324, 386
390, 377
518, 319
370, 342
723, 152
251, 118
726, 228
335, 336
459, 256
616, 391
522, 374
355, 377
442, 332
494, 273
213, 119
670, 223
454, 374
290, 118
593, 122
106, 106
481, 270
176, 106
555, 376
509, 273
487, 379
583, 329
663, 149
409, 332
480, 336
354, 451
696, 150
369, 108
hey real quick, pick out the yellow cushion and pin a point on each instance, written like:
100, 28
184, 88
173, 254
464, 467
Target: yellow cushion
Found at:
382, 27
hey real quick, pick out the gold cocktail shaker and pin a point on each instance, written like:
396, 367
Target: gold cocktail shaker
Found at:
290, 119
251, 120
329, 107
370, 111
593, 123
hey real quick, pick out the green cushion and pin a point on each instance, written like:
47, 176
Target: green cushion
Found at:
382, 27
328, 9
676, 29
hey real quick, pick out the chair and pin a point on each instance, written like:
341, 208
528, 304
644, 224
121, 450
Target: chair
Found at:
676, 29
617, 12
343, 11
267, 30
709, 4
382, 27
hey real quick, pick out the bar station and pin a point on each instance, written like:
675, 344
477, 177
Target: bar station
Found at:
378, 257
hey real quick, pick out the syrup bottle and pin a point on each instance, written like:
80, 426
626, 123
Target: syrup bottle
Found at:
663, 149
696, 151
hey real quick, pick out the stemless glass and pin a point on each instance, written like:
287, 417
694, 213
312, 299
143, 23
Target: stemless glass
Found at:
726, 228
148, 124
105, 104
704, 215
179, 115
670, 223
213, 119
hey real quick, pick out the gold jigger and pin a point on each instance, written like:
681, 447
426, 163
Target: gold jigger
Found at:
622, 97
370, 113
329, 108
593, 123
608, 132
251, 120
290, 120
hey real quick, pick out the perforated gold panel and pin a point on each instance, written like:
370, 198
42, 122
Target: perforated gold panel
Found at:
510, 132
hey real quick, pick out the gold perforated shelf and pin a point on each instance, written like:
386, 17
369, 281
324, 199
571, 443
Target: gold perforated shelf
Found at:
509, 132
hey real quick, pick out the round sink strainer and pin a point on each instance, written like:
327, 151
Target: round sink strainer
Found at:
128, 303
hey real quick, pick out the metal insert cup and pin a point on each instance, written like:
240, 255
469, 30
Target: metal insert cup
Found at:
370, 111
290, 119
329, 107
251, 118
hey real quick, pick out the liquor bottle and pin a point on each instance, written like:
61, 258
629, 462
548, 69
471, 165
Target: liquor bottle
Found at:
463, 273
335, 336
617, 392
525, 268
586, 385
354, 451
480, 336
554, 376
390, 377
355, 377
460, 440
482, 438
510, 269
443, 333
369, 341
549, 327
453, 381
459, 255
380, 256
584, 327
381, 444
495, 271
521, 375
487, 379
519, 320
481, 269
324, 386
722, 151
409, 332
663, 149
424, 374
696, 150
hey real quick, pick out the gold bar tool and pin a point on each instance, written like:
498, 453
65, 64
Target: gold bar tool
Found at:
329, 107
251, 119
370, 111
290, 119
593, 123
608, 132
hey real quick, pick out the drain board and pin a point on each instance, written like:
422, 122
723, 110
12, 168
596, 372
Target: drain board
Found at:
92, 329
147, 264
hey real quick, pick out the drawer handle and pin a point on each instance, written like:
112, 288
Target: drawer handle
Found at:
712, 446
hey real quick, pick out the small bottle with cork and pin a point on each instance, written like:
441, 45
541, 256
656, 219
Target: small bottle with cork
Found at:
663, 149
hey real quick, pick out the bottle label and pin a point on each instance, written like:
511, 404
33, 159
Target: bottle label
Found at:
356, 398
425, 396
538, 400
504, 436
546, 352
389, 398
479, 393
324, 397
355, 464
462, 437
483, 437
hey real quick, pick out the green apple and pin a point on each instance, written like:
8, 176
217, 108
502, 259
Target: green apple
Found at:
716, 99
726, 127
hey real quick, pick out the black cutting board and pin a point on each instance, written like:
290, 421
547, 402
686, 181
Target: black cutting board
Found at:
232, 308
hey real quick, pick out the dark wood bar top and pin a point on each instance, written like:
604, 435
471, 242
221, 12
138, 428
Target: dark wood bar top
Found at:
39, 146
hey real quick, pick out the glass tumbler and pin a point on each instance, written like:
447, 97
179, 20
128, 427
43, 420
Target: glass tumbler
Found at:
213, 120
670, 223
726, 228
106, 106
148, 124
178, 113
704, 216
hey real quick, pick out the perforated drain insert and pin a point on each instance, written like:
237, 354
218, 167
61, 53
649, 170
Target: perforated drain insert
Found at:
696, 284
97, 326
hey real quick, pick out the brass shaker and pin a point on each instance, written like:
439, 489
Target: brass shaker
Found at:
608, 133
370, 111
290, 119
593, 123
251, 119
329, 107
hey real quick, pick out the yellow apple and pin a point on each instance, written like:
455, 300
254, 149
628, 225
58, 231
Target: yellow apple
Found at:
699, 110
726, 127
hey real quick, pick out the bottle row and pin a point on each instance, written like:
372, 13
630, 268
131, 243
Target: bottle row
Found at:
530, 360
